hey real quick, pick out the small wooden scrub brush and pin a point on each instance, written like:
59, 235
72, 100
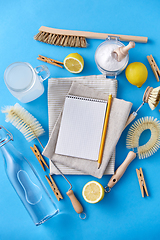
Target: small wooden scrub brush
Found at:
71, 38
132, 141
150, 96
31, 129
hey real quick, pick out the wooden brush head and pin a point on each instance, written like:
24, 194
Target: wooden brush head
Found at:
147, 93
61, 40
152, 97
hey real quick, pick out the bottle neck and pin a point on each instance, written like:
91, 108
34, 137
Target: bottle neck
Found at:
9, 154
7, 147
5, 136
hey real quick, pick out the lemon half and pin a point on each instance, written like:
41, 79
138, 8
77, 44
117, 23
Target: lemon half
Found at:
93, 192
74, 63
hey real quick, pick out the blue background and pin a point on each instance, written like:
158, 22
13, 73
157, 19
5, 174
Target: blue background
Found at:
123, 213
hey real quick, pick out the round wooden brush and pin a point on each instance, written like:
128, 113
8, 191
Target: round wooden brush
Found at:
136, 130
150, 96
153, 97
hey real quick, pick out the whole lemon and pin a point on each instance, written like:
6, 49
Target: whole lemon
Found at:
136, 73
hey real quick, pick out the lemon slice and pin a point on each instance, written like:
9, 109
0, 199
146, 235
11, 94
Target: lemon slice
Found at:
93, 192
74, 63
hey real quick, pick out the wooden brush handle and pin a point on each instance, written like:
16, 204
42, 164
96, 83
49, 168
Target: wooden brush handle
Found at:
130, 119
93, 34
75, 203
121, 170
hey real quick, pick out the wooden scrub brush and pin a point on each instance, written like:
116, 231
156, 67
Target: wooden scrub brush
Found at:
71, 38
132, 142
150, 96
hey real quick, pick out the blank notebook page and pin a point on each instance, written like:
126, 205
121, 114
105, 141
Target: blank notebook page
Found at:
81, 127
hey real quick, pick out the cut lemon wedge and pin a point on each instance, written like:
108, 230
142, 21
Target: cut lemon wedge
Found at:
93, 192
74, 63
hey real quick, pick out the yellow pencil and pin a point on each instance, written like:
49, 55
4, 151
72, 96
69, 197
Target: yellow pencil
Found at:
104, 130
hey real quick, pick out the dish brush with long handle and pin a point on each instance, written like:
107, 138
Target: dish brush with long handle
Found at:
150, 96
72, 38
31, 129
132, 142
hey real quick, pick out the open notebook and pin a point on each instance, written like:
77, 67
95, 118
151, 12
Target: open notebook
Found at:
118, 116
58, 88
81, 127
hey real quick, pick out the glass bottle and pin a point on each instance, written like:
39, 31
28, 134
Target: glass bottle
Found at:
26, 182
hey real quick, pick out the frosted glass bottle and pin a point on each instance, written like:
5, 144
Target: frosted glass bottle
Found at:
26, 182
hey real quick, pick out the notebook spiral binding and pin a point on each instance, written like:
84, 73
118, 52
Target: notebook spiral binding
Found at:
86, 99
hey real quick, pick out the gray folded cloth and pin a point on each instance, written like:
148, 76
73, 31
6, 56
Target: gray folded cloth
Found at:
58, 88
118, 116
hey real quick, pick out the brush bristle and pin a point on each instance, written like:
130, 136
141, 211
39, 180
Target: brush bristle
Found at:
61, 40
135, 132
23, 121
154, 98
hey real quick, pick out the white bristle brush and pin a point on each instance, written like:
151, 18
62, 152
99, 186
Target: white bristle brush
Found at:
24, 122
135, 131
